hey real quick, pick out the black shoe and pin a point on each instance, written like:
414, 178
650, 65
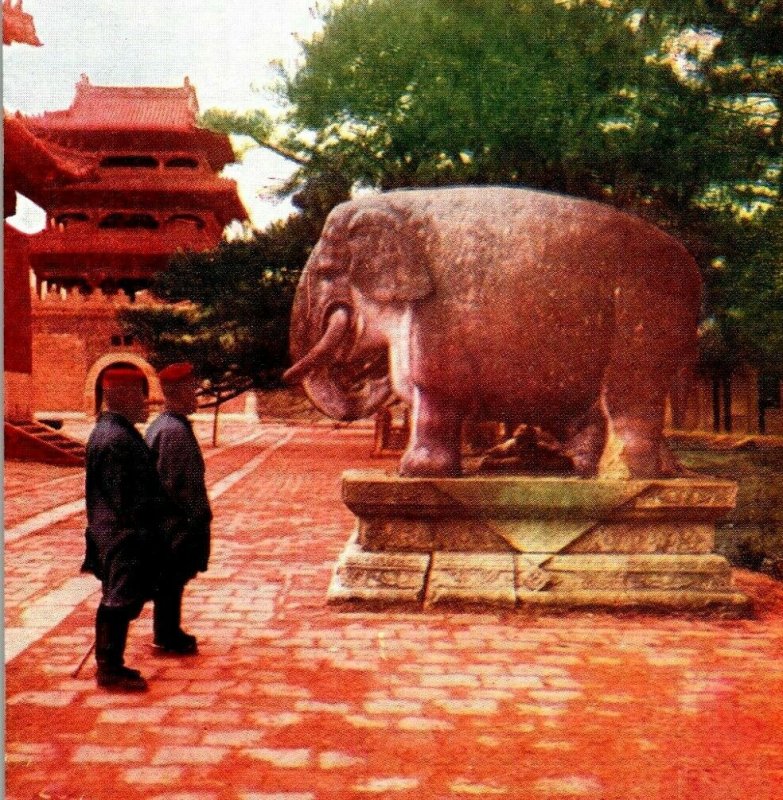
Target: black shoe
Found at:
180, 644
120, 679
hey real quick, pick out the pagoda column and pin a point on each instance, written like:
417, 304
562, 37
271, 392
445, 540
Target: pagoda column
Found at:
17, 327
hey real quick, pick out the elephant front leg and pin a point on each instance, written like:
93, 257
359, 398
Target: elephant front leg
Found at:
435, 442
633, 448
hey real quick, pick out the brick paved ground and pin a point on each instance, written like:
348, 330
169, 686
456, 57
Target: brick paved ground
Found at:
290, 699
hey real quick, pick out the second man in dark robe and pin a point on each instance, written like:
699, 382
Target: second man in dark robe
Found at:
186, 525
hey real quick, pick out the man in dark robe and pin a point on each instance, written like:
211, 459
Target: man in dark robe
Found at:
186, 527
124, 501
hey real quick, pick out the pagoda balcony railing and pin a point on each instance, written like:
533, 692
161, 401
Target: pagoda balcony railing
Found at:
92, 256
114, 190
91, 239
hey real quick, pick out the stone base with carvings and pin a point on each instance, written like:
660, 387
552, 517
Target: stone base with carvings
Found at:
536, 542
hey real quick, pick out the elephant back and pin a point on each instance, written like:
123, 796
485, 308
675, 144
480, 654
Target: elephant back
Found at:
549, 282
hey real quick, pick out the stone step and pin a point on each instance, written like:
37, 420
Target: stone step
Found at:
28, 440
632, 572
699, 582
376, 494
499, 578
382, 577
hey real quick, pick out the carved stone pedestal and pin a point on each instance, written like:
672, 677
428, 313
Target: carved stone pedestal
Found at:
536, 541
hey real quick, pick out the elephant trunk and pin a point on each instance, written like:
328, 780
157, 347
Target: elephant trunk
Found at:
343, 390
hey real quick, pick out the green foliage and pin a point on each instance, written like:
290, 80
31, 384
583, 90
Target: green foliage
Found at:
229, 309
751, 30
746, 291
742, 73
553, 95
256, 124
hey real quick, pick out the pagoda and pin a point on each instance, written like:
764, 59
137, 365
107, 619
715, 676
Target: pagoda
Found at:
152, 189
156, 188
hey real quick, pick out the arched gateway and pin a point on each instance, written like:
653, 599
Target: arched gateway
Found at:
93, 395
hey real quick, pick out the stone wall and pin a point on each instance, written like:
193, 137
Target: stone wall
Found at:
73, 335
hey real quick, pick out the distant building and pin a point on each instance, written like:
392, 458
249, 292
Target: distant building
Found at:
154, 190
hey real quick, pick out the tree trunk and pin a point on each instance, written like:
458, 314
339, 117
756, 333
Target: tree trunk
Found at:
715, 404
727, 419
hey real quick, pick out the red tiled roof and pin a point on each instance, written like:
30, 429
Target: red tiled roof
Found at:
32, 166
103, 117
18, 26
24, 149
124, 107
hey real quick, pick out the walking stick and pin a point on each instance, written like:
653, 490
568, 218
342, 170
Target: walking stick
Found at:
78, 669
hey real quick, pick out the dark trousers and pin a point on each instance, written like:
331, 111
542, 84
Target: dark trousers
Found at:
111, 634
167, 613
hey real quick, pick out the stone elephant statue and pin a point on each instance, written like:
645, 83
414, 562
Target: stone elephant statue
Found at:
499, 303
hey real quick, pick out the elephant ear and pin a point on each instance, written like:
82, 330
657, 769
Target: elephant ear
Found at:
389, 255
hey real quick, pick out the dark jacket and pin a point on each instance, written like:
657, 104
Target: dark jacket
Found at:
177, 456
125, 503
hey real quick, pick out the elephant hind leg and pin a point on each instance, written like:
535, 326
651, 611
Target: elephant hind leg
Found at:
655, 328
586, 441
635, 406
436, 437
632, 448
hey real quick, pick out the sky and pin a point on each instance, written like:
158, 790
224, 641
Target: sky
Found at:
225, 47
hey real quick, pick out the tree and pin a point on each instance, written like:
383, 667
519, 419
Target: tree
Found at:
671, 109
744, 320
229, 307
257, 125
227, 310
733, 49
559, 96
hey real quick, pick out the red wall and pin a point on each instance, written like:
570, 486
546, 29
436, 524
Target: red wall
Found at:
17, 319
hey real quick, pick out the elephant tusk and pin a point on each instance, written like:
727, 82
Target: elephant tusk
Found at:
335, 332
